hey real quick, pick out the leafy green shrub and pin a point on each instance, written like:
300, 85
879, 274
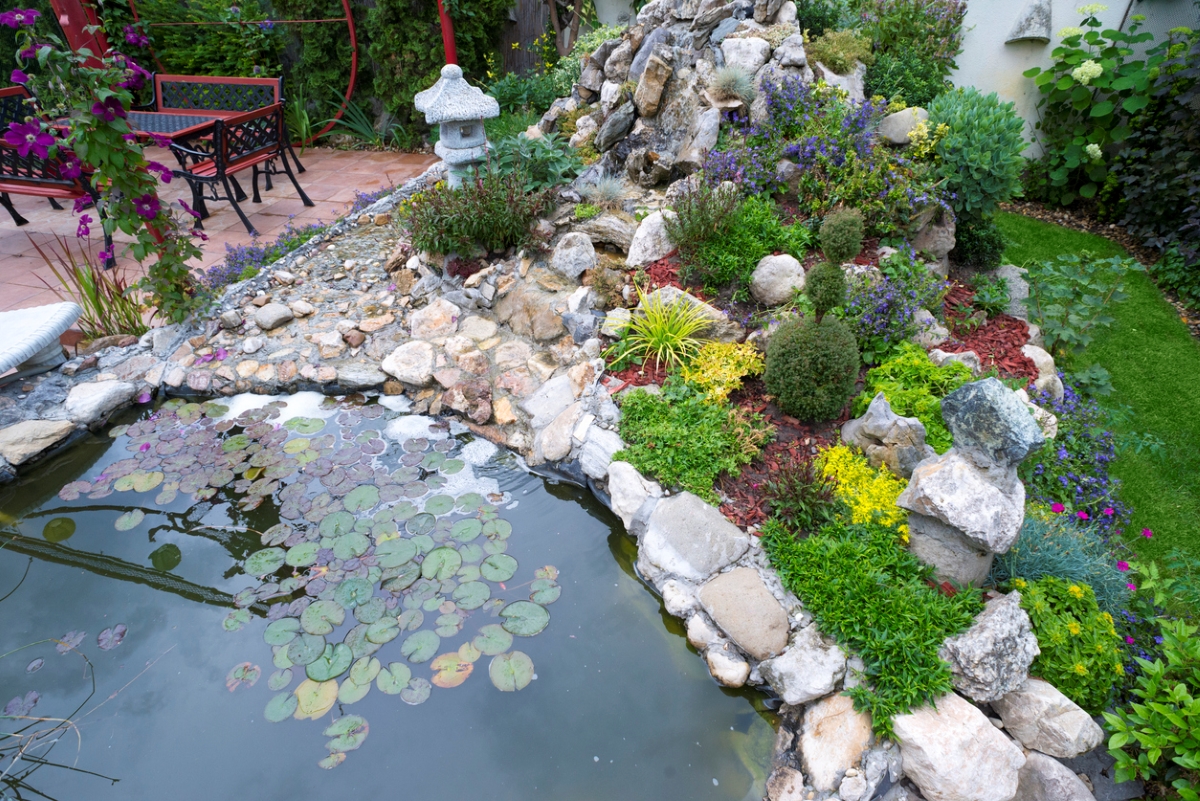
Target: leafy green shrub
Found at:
980, 156
666, 333
1156, 737
734, 82
825, 286
991, 294
545, 162
1081, 653
978, 242
685, 441
930, 27
719, 367
586, 211
517, 93
1055, 545
838, 50
914, 387
802, 497
842, 235
812, 368
910, 274
1173, 272
906, 75
569, 68
817, 16
870, 594
492, 210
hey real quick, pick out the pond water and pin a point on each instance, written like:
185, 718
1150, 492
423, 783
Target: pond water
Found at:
460, 628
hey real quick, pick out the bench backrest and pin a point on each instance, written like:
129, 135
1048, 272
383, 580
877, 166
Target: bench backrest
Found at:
12, 105
250, 134
214, 93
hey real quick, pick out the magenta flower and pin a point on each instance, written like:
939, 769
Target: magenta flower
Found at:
1082, 515
1147, 533
147, 206
28, 137
1129, 640
1131, 587
135, 37
1109, 512
221, 354
72, 168
145, 446
144, 398
136, 75
19, 76
19, 16
1057, 508
104, 256
160, 140
1122, 566
196, 232
83, 230
164, 172
189, 209
108, 109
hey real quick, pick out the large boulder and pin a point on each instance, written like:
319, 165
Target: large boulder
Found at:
88, 403
833, 737
935, 236
628, 491
776, 279
21, 442
809, 669
411, 363
790, 52
549, 401
573, 255
988, 419
895, 128
740, 603
651, 241
616, 66
1045, 779
438, 319
748, 53
597, 451
992, 658
852, 82
688, 538
650, 86
609, 229
530, 312
953, 753
616, 127
1042, 718
887, 439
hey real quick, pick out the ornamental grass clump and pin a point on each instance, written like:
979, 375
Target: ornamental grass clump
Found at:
877, 600
838, 50
812, 367
666, 333
734, 82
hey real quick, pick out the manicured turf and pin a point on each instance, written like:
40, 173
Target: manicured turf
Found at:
1155, 367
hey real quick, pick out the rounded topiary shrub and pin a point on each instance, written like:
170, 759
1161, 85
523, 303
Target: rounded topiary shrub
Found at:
812, 368
825, 286
842, 235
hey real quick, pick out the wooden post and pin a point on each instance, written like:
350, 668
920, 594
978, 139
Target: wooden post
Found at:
447, 35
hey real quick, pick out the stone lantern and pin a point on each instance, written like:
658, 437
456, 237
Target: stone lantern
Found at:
458, 109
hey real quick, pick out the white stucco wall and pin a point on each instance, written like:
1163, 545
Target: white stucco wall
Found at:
611, 12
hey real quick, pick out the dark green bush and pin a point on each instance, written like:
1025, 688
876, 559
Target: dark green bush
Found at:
517, 93
825, 286
545, 162
812, 368
491, 210
906, 75
980, 157
817, 16
978, 242
842, 235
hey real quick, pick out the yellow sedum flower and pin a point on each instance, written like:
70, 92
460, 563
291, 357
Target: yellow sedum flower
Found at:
1074, 628
870, 494
1080, 669
1020, 583
1075, 590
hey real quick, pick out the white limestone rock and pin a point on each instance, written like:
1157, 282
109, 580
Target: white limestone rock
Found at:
809, 669
1043, 719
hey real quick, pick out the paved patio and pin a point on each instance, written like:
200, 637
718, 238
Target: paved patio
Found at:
331, 179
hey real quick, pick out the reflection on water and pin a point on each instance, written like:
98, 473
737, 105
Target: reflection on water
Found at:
615, 705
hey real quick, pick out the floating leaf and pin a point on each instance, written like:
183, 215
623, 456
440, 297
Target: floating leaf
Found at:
280, 679
544, 591
235, 620
268, 560
282, 631
302, 555
35, 665
492, 640
349, 546
511, 672
322, 617
547, 572
383, 630
306, 648
352, 692
393, 553
371, 611
410, 619
130, 520
332, 761
333, 662
242, 674
337, 524
452, 466
59, 529
144, 482
417, 692
468, 652
470, 502
524, 618
110, 638
471, 595
421, 524
277, 534
498, 567
403, 578
359, 645
450, 670
295, 446
237, 442
305, 425
21, 706
448, 625
279, 657
166, 557
420, 647
497, 529
348, 733
393, 679
361, 498
314, 699
364, 670
72, 491
441, 563
466, 530
439, 504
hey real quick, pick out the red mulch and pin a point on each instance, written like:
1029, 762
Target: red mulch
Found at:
665, 272
464, 268
794, 441
640, 376
997, 342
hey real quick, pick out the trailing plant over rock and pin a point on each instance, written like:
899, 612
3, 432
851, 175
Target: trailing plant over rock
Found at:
868, 493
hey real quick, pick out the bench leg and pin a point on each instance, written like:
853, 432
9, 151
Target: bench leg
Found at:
254, 180
7, 203
299, 166
54, 204
241, 194
288, 169
111, 261
233, 200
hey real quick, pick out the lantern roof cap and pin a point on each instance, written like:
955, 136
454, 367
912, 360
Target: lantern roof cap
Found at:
452, 99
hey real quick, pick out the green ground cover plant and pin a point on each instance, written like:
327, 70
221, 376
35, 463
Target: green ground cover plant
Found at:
908, 76
491, 210
838, 50
870, 594
914, 387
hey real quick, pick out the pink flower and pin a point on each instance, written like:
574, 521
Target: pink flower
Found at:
1108, 512
28, 137
144, 398
1122, 566
1147, 533
1082, 515
1131, 587
164, 172
1057, 508
145, 445
189, 209
160, 140
1129, 640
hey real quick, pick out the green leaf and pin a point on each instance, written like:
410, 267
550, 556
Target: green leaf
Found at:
498, 567
420, 647
333, 662
394, 679
281, 707
524, 618
1135, 103
166, 557
441, 563
282, 631
1102, 109
265, 561
321, 617
511, 672
130, 520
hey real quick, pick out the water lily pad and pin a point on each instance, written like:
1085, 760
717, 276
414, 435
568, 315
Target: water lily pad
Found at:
370, 611
466, 530
337, 524
424, 543
492, 639
470, 502
244, 674
235, 443
547, 572
323, 617
404, 578
306, 648
471, 552
448, 625
280, 679
129, 520
295, 446
281, 707
59, 529
235, 620
282, 631
332, 761
110, 638
333, 662
302, 555
410, 619
277, 534
417, 692
493, 547
420, 647
544, 591
439, 504
394, 678
166, 557
362, 498
305, 425
497, 529
441, 563
350, 546
511, 672
352, 692
393, 553
268, 560
452, 466
358, 643
144, 482
468, 652
524, 618
450, 670
364, 670
433, 461
383, 630
471, 595
421, 524
279, 657
314, 698
498, 567
469, 572
404, 510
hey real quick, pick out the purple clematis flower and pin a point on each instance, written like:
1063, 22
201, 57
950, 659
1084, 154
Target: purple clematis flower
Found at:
28, 137
189, 209
147, 206
72, 168
83, 230
19, 76
108, 109
19, 16
164, 172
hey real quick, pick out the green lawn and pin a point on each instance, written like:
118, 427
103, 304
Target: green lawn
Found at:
1155, 367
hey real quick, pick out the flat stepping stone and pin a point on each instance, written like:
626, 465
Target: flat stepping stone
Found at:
31, 343
21, 442
740, 603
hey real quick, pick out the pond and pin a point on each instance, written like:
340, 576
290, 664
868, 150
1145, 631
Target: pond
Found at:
269, 587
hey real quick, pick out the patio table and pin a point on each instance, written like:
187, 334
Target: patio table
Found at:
173, 124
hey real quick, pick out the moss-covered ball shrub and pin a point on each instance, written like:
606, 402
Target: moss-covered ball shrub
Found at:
842, 235
812, 368
825, 286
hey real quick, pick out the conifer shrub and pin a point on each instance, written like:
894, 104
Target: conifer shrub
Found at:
825, 286
812, 368
842, 235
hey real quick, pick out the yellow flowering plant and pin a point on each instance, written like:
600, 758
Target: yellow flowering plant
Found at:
1081, 650
719, 367
868, 493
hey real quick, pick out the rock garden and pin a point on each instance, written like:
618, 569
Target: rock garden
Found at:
754, 284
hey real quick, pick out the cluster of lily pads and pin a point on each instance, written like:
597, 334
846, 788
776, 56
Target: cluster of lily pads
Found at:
372, 544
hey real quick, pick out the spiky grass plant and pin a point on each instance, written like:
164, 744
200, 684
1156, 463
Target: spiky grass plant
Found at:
667, 333
731, 82
603, 192
109, 302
